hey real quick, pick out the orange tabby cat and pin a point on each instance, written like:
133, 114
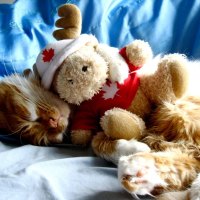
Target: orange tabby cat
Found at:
33, 114
174, 160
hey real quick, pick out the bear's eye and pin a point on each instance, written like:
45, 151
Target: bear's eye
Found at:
70, 81
84, 68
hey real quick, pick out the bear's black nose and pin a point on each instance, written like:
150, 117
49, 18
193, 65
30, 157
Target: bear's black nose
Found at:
84, 68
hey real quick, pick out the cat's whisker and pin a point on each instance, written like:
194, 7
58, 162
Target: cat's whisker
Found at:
20, 138
35, 101
40, 99
17, 77
13, 67
18, 132
12, 133
42, 139
151, 195
135, 196
35, 96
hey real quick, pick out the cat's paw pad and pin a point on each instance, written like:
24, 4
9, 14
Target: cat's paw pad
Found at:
138, 174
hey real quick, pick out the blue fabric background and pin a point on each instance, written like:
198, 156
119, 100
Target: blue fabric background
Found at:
169, 26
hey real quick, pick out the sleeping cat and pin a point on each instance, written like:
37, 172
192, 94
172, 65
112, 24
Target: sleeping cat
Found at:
30, 112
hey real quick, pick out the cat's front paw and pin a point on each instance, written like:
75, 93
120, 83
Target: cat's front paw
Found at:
128, 147
139, 175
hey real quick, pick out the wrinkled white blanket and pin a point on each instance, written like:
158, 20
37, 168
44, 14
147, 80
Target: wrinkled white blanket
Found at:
56, 173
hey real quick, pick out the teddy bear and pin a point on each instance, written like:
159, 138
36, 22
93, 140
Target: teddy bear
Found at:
80, 70
113, 90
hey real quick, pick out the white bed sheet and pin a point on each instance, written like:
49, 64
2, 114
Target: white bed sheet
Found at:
56, 173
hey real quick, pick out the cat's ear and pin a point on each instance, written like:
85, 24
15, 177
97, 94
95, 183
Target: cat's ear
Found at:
32, 74
27, 73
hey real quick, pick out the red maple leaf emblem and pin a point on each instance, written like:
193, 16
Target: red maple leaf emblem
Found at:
48, 54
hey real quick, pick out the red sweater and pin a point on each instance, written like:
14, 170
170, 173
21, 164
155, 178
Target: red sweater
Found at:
111, 95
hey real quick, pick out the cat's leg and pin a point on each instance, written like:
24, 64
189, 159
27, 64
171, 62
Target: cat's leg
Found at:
159, 143
191, 194
155, 173
112, 150
177, 121
180, 195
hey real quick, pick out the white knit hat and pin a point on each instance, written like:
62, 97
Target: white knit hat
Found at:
52, 56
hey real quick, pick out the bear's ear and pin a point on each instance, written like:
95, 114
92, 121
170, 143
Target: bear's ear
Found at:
70, 22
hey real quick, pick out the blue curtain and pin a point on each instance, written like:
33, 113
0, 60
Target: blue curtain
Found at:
168, 25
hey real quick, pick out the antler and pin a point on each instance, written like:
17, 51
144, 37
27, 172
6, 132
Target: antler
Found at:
70, 21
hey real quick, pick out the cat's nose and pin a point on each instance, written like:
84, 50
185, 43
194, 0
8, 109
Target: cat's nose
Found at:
53, 123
